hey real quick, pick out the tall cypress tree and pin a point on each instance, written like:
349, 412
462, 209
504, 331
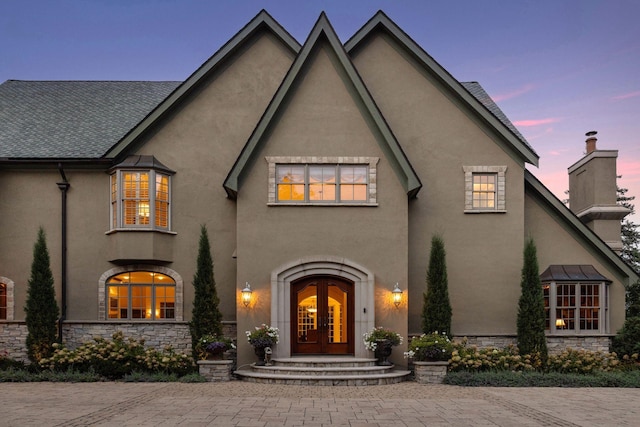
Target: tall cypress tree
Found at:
531, 317
41, 308
206, 318
436, 311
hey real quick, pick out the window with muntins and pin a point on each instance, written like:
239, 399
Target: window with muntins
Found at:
141, 295
140, 197
575, 308
485, 189
322, 180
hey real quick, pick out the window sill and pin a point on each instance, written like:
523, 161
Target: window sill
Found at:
369, 205
117, 230
485, 211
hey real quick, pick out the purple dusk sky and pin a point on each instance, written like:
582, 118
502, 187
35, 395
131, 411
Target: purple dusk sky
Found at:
557, 68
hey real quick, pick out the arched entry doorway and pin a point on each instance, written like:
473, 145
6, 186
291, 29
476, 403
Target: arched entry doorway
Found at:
322, 316
283, 277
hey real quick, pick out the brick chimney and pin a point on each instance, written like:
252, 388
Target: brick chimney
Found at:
593, 192
591, 141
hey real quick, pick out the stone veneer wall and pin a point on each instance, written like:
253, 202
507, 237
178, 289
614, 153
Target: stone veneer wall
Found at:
13, 338
555, 344
13, 335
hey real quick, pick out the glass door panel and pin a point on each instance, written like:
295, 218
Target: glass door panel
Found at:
322, 316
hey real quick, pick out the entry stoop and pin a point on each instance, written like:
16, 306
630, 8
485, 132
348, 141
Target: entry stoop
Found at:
327, 371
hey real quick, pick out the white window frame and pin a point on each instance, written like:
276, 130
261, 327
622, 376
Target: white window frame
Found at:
603, 309
275, 161
117, 205
500, 198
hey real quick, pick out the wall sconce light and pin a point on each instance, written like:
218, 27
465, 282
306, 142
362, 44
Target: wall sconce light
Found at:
397, 295
246, 295
560, 324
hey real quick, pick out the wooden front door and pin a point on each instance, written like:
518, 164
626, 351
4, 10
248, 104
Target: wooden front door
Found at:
322, 316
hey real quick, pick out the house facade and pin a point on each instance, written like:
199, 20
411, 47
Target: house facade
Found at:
321, 171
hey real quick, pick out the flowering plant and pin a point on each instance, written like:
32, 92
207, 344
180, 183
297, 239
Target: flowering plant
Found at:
263, 336
433, 346
379, 334
213, 344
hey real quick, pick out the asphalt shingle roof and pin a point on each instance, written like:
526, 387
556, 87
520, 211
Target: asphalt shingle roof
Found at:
83, 119
479, 93
72, 119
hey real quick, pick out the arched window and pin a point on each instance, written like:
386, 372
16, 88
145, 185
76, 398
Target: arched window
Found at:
143, 295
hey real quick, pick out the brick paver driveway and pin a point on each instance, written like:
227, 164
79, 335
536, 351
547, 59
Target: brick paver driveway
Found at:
244, 404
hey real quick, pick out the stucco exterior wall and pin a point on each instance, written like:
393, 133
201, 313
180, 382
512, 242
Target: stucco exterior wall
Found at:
321, 119
28, 200
199, 140
557, 244
440, 136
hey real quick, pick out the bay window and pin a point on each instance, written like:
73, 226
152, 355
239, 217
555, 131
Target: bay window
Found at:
140, 194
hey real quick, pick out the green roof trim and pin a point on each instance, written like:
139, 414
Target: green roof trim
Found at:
389, 144
534, 187
381, 20
261, 21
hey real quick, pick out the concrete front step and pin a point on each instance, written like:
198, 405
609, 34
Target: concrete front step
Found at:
325, 380
324, 362
322, 370
330, 370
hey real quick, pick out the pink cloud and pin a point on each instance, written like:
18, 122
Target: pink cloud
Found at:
627, 95
526, 88
538, 122
629, 170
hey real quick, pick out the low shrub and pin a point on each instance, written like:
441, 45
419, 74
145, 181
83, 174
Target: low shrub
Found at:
472, 359
627, 340
116, 358
582, 362
540, 379
428, 347
7, 363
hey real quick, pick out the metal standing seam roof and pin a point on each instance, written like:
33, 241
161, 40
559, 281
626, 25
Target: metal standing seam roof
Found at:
572, 273
84, 119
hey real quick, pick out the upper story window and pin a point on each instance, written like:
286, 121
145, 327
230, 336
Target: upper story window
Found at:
322, 180
143, 295
575, 307
485, 189
141, 194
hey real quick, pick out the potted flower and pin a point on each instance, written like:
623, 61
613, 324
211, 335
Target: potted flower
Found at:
430, 347
262, 337
213, 346
381, 341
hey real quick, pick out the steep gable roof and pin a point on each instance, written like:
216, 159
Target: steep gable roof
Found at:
262, 21
72, 119
389, 144
536, 189
476, 99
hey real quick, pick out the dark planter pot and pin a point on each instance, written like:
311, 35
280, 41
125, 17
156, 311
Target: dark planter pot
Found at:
383, 351
260, 352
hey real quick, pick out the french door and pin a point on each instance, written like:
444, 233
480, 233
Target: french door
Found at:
322, 316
